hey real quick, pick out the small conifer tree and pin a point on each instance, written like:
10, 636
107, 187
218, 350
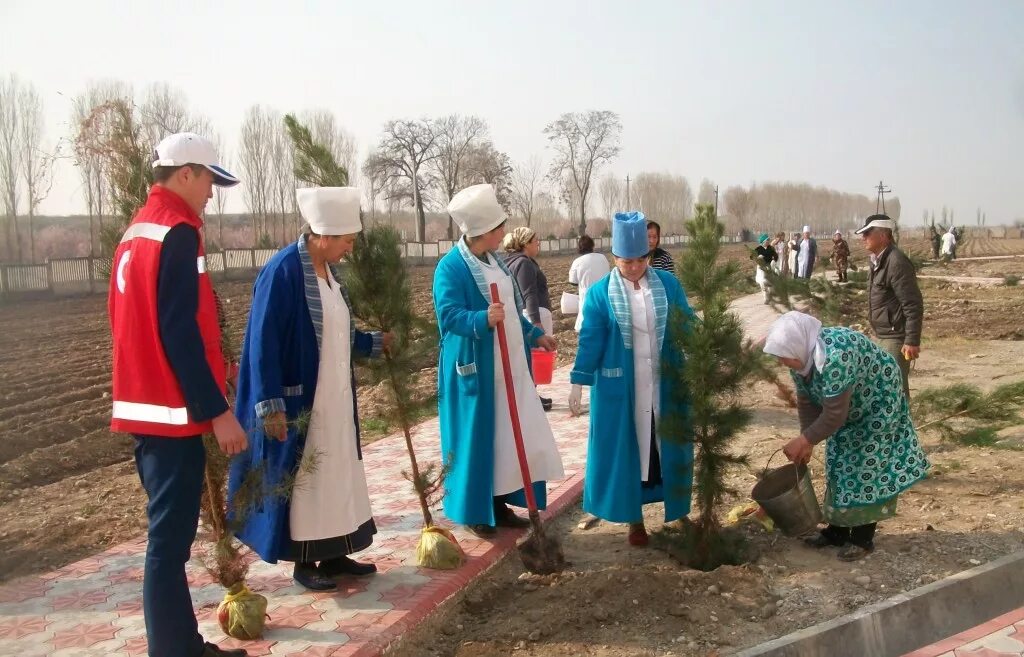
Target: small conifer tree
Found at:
718, 362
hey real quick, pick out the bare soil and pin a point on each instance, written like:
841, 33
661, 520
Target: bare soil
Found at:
620, 601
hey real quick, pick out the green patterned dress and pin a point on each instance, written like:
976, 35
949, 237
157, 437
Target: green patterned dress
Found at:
876, 455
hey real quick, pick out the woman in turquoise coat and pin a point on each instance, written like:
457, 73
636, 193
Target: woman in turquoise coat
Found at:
476, 431
622, 350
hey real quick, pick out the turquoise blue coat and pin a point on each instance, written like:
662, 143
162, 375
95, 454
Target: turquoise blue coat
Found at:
465, 393
612, 489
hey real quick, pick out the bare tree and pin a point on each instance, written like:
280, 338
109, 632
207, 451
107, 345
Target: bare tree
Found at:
612, 193
486, 164
36, 162
583, 142
90, 164
375, 184
456, 136
220, 194
164, 111
405, 150
741, 204
10, 162
706, 195
113, 133
282, 178
525, 185
254, 159
664, 198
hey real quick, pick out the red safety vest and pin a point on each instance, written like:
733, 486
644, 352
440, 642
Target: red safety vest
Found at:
147, 395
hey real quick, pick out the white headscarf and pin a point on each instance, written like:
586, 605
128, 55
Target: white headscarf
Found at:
796, 335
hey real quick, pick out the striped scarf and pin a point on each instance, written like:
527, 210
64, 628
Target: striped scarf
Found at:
481, 279
312, 290
618, 297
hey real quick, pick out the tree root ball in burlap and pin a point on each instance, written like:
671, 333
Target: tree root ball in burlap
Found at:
242, 614
438, 549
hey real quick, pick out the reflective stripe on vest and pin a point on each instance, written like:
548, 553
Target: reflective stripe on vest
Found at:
154, 232
150, 413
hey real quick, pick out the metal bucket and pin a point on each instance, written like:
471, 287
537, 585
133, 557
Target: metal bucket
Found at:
787, 496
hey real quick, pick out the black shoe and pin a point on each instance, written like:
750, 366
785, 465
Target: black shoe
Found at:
820, 540
855, 552
546, 403
345, 566
505, 517
309, 576
210, 650
483, 531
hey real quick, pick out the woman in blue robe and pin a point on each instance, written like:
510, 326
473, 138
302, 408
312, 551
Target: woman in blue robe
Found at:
477, 445
622, 350
296, 394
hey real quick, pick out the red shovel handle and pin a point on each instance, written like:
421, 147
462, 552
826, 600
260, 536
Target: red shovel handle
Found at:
513, 410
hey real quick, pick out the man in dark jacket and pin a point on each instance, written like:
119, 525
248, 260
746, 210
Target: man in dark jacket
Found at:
895, 306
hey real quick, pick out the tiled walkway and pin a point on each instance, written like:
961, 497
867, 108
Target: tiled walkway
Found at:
1000, 637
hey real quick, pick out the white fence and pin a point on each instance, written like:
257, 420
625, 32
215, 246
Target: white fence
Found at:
84, 275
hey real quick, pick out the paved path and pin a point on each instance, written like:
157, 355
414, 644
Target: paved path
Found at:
93, 608
999, 637
965, 280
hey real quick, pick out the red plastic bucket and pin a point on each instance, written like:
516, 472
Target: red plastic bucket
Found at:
543, 365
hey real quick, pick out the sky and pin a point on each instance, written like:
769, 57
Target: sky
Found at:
927, 95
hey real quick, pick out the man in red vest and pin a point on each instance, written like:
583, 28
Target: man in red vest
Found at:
170, 377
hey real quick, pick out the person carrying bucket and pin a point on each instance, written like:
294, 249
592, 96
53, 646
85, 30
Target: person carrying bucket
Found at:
477, 442
521, 248
851, 389
622, 347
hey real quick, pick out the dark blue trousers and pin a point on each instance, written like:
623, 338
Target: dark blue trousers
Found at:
171, 471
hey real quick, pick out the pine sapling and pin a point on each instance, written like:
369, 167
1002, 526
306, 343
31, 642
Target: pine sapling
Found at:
708, 386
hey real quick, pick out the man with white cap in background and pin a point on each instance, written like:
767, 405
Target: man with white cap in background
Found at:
169, 377
895, 304
297, 366
477, 442
808, 254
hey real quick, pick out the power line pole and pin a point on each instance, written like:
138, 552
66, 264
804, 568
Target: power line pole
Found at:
627, 193
880, 200
716, 201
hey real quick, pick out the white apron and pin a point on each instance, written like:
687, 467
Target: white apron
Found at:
538, 441
646, 370
332, 499
804, 258
760, 277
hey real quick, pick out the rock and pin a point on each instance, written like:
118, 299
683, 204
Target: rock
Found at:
534, 635
975, 562
680, 612
81, 483
714, 590
636, 602
601, 614
520, 645
769, 610
530, 588
714, 619
863, 580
